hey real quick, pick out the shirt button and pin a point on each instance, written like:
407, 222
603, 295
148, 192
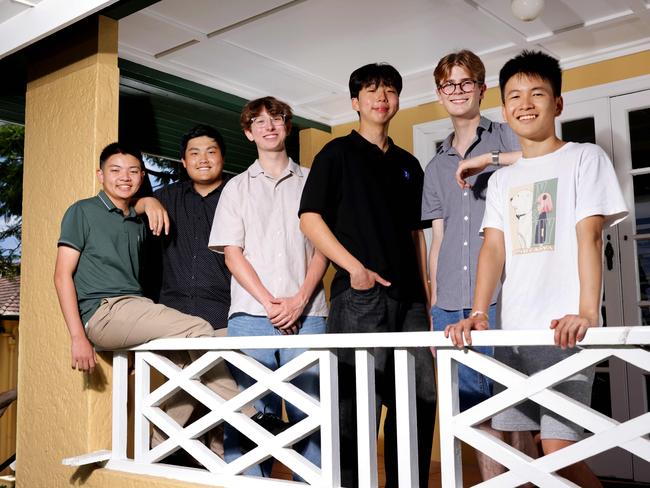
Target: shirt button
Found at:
194, 257
465, 243
466, 218
465, 193
464, 268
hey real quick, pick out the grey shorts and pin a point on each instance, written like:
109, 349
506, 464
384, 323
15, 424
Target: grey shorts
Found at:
530, 415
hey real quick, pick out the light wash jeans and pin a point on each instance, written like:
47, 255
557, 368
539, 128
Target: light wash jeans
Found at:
473, 387
251, 325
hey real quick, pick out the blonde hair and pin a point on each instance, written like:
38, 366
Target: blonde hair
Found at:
465, 59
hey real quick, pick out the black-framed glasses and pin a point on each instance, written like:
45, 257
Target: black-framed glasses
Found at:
261, 121
466, 86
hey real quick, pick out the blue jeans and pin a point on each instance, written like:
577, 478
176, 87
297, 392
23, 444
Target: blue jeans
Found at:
473, 386
308, 381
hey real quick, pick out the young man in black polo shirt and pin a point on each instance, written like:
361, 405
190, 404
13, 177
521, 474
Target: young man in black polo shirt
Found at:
361, 208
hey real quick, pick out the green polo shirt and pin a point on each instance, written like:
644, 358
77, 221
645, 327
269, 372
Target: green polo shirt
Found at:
109, 243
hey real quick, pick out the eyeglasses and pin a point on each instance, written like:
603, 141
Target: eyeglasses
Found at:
276, 120
466, 86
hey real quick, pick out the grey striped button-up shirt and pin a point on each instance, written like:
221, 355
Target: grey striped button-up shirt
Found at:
462, 211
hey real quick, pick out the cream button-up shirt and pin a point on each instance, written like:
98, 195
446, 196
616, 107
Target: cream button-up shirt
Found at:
260, 214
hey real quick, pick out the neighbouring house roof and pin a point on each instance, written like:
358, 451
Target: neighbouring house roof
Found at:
9, 296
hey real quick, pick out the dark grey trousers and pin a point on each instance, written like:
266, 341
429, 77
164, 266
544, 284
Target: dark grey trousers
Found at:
374, 311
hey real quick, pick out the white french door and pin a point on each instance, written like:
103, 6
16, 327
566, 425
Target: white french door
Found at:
631, 145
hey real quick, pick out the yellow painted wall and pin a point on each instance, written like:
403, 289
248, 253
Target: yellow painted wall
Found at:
8, 381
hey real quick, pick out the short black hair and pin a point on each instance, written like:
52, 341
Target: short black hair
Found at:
535, 64
120, 148
374, 74
200, 131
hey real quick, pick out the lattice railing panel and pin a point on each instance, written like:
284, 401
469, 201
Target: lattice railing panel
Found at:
607, 433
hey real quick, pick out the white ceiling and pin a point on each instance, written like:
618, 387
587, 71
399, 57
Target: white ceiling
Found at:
303, 51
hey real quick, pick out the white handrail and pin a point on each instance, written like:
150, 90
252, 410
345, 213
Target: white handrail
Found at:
601, 336
623, 342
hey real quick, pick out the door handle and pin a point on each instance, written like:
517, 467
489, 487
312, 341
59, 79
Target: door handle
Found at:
609, 256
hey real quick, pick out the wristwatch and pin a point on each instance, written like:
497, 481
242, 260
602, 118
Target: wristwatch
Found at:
495, 158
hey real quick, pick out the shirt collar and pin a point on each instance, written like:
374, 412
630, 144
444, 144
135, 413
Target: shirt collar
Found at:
365, 144
187, 186
256, 169
110, 206
483, 124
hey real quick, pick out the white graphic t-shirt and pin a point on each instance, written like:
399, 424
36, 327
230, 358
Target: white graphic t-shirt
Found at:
537, 203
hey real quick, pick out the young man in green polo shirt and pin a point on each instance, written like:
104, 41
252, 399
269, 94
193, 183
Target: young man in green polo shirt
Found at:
97, 282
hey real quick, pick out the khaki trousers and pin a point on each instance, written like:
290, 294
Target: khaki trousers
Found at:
128, 321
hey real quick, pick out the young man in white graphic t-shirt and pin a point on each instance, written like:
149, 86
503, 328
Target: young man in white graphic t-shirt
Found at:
542, 231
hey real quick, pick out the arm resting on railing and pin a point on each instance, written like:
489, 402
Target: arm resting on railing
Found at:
572, 328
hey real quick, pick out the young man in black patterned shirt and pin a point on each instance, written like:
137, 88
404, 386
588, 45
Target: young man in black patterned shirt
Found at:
194, 280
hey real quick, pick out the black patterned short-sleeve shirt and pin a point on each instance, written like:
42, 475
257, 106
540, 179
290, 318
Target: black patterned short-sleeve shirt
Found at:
195, 280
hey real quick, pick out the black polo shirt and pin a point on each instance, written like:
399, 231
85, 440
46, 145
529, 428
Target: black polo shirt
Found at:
371, 201
194, 279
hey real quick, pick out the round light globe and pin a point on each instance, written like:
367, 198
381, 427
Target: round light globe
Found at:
527, 10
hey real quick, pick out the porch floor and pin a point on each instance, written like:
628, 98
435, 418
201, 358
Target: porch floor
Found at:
471, 476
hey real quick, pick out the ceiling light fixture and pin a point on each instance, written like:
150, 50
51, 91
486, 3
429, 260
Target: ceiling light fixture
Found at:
527, 10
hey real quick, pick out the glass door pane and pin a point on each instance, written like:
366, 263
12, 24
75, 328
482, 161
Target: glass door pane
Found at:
630, 126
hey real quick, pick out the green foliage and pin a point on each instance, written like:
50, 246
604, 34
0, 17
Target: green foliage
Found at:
12, 140
169, 170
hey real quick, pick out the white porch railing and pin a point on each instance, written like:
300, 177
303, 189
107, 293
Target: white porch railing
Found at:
625, 343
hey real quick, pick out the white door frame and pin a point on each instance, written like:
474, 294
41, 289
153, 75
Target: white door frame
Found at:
620, 107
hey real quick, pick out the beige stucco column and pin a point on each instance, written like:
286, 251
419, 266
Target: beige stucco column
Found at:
70, 114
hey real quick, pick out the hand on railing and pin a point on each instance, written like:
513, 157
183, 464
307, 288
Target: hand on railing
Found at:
571, 329
460, 332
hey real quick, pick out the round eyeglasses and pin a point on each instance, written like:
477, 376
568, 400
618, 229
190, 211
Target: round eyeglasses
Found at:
466, 86
261, 121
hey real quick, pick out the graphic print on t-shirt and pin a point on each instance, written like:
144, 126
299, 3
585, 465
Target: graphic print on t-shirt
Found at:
532, 216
